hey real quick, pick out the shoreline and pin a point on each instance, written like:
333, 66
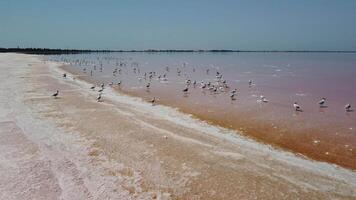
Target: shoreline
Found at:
124, 148
282, 137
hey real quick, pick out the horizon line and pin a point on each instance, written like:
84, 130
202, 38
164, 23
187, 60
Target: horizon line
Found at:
70, 51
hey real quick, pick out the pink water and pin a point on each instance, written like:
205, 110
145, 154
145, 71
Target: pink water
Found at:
327, 133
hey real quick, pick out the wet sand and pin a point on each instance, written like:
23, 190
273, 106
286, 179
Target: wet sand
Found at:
123, 148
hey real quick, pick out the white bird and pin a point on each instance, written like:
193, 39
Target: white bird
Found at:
348, 107
185, 89
263, 99
99, 98
153, 100
55, 94
148, 85
250, 82
296, 106
322, 102
232, 96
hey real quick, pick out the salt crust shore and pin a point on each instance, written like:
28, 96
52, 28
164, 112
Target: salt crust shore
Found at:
123, 148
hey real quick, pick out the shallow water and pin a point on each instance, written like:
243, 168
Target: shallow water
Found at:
327, 133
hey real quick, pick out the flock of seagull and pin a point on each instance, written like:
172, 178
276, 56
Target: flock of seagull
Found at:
219, 86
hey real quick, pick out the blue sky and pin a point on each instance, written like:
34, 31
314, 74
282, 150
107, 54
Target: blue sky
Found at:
183, 24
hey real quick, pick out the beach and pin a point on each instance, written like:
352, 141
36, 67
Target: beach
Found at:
74, 147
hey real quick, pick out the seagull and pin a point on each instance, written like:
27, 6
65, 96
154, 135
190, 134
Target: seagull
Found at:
232, 96
185, 89
119, 83
92, 87
153, 100
101, 90
148, 85
348, 107
55, 94
99, 98
250, 83
102, 85
296, 106
322, 102
263, 99
64, 75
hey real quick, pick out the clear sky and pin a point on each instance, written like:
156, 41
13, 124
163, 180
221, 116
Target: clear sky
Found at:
179, 24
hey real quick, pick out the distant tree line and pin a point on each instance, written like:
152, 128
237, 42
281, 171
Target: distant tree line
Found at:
47, 51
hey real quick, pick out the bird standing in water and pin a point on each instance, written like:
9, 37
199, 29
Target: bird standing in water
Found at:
232, 96
348, 107
322, 102
185, 90
296, 106
263, 99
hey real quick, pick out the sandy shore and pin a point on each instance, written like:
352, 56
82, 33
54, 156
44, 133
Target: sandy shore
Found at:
123, 148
